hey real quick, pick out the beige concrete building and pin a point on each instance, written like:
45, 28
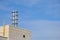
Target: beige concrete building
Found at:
14, 33
3, 38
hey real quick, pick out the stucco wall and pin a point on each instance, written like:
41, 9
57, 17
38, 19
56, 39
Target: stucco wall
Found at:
17, 34
4, 31
14, 33
3, 38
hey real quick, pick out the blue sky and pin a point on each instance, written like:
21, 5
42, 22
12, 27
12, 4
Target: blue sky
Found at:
41, 17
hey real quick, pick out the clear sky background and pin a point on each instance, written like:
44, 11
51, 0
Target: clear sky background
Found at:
41, 17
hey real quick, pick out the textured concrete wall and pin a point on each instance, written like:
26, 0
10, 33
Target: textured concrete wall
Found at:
4, 31
14, 33
3, 38
17, 34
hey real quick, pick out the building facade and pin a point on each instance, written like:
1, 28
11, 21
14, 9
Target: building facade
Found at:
14, 33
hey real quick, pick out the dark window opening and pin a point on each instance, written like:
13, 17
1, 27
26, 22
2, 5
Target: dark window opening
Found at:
23, 36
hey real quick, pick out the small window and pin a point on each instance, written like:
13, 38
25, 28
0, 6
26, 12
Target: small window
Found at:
23, 36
